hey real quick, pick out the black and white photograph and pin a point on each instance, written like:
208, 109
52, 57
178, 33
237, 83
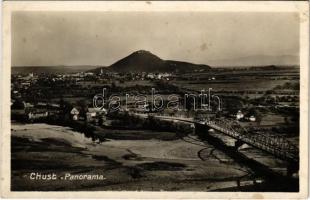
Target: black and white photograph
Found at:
165, 101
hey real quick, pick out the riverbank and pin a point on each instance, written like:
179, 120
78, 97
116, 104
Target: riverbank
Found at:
126, 164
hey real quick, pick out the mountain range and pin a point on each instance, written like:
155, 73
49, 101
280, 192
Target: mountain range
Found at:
145, 61
258, 60
51, 69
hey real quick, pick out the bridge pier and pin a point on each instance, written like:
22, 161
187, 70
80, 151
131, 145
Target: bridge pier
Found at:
238, 144
201, 130
292, 168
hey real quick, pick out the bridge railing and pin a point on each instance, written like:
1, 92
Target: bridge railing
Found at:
277, 145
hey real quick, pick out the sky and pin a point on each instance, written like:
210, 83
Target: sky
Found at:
102, 38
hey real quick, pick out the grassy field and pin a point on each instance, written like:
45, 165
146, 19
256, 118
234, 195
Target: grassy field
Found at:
238, 85
239, 80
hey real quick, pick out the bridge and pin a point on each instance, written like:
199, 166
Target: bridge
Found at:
276, 145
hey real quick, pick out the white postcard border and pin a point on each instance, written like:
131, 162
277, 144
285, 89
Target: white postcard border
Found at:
158, 6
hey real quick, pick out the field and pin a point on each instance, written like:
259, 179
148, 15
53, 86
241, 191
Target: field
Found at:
244, 85
249, 80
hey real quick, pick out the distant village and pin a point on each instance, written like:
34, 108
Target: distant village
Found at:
22, 84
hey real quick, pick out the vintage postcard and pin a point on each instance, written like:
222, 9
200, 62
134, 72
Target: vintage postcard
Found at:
159, 99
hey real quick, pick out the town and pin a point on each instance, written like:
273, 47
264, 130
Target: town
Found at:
248, 115
36, 96
108, 105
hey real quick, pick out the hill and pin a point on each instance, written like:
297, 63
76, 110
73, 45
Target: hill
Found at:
145, 61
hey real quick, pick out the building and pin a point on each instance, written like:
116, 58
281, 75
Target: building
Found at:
41, 104
239, 115
74, 114
252, 118
19, 109
91, 114
142, 108
34, 114
94, 114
